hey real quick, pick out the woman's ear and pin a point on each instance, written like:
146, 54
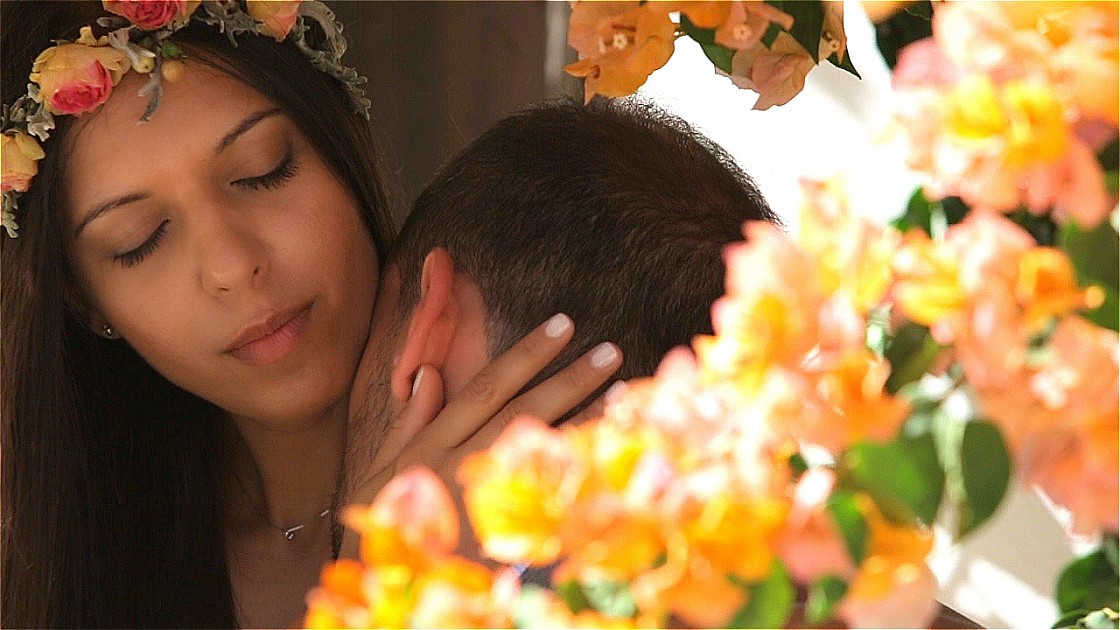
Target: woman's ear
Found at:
432, 323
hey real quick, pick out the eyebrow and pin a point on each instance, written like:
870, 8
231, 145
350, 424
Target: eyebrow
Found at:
226, 140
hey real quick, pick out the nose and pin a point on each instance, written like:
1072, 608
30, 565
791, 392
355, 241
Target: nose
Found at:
231, 256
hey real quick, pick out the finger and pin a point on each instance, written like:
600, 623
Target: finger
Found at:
558, 394
423, 406
591, 412
490, 389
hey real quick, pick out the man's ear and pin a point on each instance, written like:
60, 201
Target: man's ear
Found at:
431, 326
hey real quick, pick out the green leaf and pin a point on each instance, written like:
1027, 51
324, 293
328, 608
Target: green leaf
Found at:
902, 29
844, 64
1104, 618
1109, 156
1040, 226
824, 594
771, 34
904, 476
170, 50
611, 598
1070, 619
985, 471
718, 54
1088, 582
1095, 255
797, 464
930, 216
1109, 547
911, 351
808, 22
923, 10
769, 601
572, 593
844, 509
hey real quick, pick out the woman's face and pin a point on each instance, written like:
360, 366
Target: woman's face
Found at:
220, 245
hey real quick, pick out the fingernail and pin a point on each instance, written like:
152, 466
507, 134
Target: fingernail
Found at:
614, 392
603, 355
557, 325
416, 381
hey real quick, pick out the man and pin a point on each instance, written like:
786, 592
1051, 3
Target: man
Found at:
613, 213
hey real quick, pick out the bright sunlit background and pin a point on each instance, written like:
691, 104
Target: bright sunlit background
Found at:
1004, 574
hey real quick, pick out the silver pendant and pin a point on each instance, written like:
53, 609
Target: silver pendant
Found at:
290, 532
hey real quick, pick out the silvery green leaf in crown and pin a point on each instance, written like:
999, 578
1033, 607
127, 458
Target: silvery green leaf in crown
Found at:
75, 78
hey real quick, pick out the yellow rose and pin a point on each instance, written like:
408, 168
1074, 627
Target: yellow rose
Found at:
275, 17
19, 161
77, 78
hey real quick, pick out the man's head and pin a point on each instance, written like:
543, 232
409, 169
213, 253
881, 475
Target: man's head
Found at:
614, 213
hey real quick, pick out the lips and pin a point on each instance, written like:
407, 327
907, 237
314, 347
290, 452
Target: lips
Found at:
272, 337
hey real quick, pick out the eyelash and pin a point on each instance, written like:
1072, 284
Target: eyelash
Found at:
274, 178
132, 258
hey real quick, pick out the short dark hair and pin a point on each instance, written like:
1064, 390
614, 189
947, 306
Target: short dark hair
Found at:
614, 212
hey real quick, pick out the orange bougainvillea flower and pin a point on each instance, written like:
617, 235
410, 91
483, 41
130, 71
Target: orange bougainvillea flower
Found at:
518, 493
927, 287
852, 254
619, 45
458, 593
1061, 421
412, 521
893, 586
777, 73
852, 403
811, 545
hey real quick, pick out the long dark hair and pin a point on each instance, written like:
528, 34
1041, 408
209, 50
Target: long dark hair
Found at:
112, 507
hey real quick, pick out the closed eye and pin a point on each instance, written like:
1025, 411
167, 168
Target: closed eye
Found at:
274, 178
135, 256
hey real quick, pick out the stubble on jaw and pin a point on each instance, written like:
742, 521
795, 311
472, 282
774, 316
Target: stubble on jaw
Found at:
372, 418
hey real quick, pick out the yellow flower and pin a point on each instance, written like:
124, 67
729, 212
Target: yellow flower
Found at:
852, 254
19, 161
928, 284
275, 17
77, 78
412, 521
458, 593
619, 45
1023, 121
893, 587
518, 493
1047, 287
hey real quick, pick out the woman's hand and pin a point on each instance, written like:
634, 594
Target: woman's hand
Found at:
427, 433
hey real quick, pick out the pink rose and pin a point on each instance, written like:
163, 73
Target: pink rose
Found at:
151, 14
19, 161
275, 18
76, 78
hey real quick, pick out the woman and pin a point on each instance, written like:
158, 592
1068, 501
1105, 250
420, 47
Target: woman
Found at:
184, 309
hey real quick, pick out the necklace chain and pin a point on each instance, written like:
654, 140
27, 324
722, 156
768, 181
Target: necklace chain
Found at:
289, 532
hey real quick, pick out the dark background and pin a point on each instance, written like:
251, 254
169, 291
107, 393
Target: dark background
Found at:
441, 72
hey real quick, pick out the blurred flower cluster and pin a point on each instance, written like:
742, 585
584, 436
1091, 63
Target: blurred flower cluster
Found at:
778, 458
760, 46
863, 380
1008, 103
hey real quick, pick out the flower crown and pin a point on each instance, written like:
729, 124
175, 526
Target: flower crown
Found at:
74, 78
